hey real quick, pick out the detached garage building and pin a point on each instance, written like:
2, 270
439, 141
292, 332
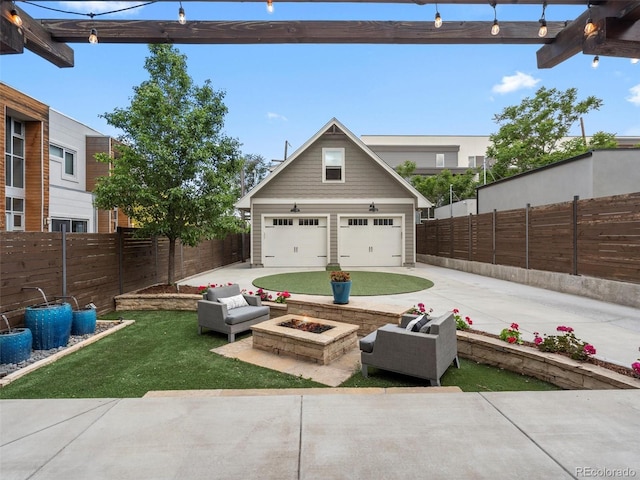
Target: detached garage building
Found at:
333, 202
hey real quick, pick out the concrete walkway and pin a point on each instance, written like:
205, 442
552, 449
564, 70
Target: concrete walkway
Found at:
528, 435
493, 304
347, 434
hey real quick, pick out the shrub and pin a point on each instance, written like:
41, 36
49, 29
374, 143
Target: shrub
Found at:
511, 334
461, 324
565, 343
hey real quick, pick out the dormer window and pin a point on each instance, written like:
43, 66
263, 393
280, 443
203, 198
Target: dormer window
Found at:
333, 165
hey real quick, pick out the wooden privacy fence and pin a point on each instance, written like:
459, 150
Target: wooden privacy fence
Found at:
95, 267
597, 237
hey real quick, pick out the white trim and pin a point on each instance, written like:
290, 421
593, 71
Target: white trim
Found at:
332, 201
63, 161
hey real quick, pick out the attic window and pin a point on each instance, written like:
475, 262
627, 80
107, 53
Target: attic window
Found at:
333, 165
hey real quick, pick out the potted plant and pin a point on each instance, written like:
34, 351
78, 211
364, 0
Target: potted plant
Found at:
341, 286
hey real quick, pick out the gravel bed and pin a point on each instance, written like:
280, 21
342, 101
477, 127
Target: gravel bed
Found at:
37, 355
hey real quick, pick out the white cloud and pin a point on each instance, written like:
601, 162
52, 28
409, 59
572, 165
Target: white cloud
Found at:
511, 83
635, 95
276, 116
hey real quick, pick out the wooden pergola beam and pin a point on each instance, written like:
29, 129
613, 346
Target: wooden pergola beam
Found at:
35, 38
572, 39
261, 32
615, 38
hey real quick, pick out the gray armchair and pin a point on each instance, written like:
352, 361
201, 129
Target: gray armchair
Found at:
422, 355
219, 317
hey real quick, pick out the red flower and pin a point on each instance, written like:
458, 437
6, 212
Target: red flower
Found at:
511, 339
589, 349
469, 321
515, 326
455, 310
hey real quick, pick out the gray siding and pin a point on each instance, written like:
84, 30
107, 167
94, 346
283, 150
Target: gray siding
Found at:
364, 178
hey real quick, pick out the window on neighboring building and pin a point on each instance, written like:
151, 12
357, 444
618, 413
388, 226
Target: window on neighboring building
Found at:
472, 161
14, 214
14, 153
66, 157
75, 226
439, 160
333, 164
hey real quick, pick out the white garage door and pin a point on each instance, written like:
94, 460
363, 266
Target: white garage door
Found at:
370, 241
294, 242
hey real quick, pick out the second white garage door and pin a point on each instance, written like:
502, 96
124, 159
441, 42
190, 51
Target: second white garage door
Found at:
294, 242
370, 241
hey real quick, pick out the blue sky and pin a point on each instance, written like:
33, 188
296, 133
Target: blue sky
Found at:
279, 93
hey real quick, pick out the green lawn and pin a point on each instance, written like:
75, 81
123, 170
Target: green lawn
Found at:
362, 283
163, 351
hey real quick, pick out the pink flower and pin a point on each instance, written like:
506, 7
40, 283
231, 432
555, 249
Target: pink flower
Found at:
515, 326
511, 339
589, 349
455, 310
537, 340
561, 328
636, 367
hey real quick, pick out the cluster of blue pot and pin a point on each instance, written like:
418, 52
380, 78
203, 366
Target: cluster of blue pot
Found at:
47, 326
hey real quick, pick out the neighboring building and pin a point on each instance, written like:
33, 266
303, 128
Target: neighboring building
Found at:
333, 202
431, 154
50, 169
598, 173
462, 208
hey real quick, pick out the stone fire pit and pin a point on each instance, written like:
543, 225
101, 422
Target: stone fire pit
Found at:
323, 348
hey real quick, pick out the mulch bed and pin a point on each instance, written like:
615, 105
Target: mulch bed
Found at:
156, 289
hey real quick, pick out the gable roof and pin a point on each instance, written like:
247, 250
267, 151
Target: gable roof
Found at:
423, 202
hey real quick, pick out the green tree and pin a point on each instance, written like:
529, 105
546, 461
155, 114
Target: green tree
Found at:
406, 169
531, 134
442, 188
254, 169
175, 171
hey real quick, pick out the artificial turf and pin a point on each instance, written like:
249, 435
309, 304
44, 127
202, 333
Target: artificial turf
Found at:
163, 351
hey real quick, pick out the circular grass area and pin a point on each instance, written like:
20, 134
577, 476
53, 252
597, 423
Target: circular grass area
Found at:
362, 283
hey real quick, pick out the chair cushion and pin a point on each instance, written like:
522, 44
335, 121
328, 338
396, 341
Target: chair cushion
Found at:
366, 343
426, 328
213, 294
234, 302
419, 323
244, 314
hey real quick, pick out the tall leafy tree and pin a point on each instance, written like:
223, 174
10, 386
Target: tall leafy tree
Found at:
443, 188
175, 171
531, 134
254, 169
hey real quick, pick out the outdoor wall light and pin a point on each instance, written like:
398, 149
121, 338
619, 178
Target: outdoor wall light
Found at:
15, 18
93, 36
596, 61
295, 208
372, 207
270, 6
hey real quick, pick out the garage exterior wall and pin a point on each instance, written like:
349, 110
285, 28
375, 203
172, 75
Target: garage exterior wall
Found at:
365, 181
333, 210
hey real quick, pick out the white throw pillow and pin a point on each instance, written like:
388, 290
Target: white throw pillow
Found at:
234, 302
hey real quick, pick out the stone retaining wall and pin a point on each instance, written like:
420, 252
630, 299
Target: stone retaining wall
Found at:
550, 367
166, 301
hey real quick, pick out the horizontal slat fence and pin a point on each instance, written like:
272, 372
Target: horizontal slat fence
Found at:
597, 237
98, 266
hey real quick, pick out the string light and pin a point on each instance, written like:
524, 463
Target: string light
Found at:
93, 36
438, 19
15, 18
182, 18
596, 61
589, 27
495, 28
542, 31
635, 60
270, 6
